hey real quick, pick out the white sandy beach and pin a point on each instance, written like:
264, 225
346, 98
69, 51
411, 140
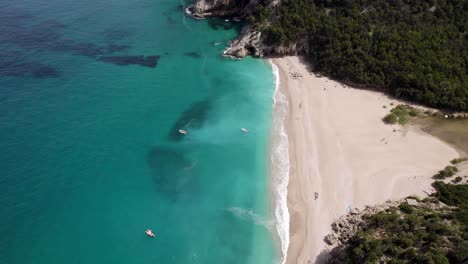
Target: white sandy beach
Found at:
340, 148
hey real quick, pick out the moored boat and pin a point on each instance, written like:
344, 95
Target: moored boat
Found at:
150, 233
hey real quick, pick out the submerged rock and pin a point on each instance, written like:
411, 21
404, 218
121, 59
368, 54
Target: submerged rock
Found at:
146, 61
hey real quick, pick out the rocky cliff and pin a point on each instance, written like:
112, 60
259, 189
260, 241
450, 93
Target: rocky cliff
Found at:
219, 8
252, 42
249, 41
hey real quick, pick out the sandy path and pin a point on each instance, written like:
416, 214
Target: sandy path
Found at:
340, 148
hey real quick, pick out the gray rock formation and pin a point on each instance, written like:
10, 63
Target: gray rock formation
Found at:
347, 226
249, 41
220, 8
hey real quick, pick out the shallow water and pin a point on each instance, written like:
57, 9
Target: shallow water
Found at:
93, 93
451, 131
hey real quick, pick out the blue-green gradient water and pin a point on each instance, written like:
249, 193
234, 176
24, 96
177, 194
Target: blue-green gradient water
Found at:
90, 154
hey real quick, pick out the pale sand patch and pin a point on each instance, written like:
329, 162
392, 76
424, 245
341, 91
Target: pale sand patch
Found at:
340, 148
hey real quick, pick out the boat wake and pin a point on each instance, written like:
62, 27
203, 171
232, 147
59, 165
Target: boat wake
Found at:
249, 215
280, 165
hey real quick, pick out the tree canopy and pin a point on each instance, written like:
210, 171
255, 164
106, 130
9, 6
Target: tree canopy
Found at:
414, 49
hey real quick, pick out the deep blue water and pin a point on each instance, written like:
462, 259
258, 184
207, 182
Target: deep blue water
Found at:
92, 95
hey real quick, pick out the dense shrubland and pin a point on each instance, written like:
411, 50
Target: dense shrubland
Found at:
428, 233
414, 49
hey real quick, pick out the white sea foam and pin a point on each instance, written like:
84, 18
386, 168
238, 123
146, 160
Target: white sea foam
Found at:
249, 215
280, 166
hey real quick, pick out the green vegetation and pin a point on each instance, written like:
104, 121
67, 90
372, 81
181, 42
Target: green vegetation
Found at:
456, 195
434, 231
408, 235
457, 179
447, 172
428, 233
415, 49
400, 114
459, 160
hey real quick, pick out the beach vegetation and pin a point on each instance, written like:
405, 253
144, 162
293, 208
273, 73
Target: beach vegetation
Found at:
433, 231
406, 208
400, 114
447, 172
458, 160
457, 179
416, 50
428, 233
414, 198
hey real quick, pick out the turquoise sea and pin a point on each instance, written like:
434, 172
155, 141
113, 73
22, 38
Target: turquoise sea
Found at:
92, 95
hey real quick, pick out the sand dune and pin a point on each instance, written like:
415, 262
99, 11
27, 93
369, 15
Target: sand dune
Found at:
340, 148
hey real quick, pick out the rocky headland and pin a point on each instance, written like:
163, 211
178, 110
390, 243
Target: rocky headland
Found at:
250, 40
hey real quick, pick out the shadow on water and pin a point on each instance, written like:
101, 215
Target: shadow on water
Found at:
27, 69
146, 61
193, 117
20, 29
193, 54
225, 24
172, 173
219, 23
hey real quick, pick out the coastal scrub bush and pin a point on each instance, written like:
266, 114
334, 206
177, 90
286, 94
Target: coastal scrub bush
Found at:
457, 179
431, 233
447, 172
459, 160
414, 198
406, 208
400, 114
390, 119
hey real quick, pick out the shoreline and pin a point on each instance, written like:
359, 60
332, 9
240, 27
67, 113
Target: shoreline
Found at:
279, 165
339, 147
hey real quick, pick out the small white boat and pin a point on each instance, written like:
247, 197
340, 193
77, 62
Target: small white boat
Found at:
245, 130
183, 132
216, 43
227, 20
150, 233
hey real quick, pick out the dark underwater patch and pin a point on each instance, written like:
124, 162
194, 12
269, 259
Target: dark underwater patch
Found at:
170, 20
113, 34
172, 172
192, 117
112, 48
146, 61
192, 54
28, 69
21, 29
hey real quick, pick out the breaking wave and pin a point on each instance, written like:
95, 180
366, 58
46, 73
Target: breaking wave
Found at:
249, 215
280, 165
